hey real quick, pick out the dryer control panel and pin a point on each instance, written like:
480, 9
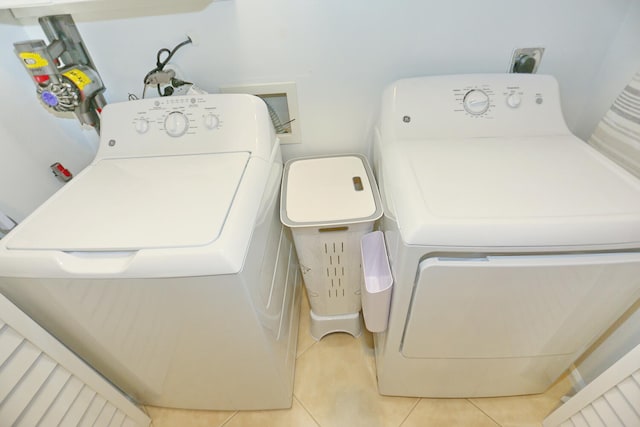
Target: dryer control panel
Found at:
200, 124
476, 105
483, 100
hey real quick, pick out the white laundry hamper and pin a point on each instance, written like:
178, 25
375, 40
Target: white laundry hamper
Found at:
330, 203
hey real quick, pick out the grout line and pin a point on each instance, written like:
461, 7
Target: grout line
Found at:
480, 409
308, 347
146, 412
305, 350
306, 410
410, 412
224, 423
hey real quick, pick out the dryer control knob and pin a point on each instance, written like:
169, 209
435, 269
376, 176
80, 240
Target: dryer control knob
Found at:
141, 125
514, 100
211, 121
476, 102
176, 124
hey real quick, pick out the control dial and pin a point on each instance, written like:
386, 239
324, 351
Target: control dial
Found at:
514, 100
476, 102
176, 124
141, 125
211, 121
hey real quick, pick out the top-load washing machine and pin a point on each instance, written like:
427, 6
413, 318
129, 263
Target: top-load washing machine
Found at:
164, 264
513, 244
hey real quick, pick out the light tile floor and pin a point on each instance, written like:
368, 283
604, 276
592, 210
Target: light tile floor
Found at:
335, 386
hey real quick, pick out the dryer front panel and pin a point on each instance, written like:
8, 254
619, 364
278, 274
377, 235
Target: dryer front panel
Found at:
517, 306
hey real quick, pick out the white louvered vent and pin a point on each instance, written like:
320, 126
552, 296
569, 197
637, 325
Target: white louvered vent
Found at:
611, 400
43, 384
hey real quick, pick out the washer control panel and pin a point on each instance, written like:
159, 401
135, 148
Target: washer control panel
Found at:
473, 105
177, 117
179, 125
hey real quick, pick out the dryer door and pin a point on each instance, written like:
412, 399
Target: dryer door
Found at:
518, 306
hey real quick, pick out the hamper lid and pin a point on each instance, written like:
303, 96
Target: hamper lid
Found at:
329, 190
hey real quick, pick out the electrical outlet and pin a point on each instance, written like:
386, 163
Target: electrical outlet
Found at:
282, 102
160, 77
525, 60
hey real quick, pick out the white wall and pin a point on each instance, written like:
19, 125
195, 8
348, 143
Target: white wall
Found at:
621, 61
343, 53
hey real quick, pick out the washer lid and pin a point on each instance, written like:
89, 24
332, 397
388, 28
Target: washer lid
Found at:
538, 191
137, 203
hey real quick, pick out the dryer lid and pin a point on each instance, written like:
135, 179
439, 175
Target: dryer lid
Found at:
486, 192
137, 203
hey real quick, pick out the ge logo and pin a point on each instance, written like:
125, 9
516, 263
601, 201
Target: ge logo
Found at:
406, 119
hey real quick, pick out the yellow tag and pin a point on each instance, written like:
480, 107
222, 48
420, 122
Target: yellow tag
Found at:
79, 78
33, 60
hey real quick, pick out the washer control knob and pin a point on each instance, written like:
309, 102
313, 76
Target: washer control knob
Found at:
176, 124
211, 121
476, 102
514, 100
141, 125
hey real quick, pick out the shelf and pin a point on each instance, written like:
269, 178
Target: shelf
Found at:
100, 9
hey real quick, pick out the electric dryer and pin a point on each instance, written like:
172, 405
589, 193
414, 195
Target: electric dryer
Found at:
164, 264
513, 244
